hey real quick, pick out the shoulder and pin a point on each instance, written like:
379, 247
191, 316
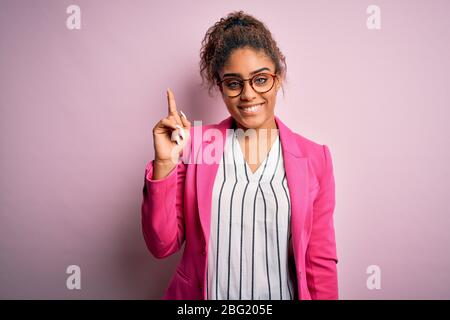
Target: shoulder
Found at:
318, 154
308, 147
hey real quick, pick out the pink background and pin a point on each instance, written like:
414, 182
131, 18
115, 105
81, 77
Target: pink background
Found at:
77, 108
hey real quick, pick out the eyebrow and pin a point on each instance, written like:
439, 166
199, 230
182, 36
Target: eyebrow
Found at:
238, 74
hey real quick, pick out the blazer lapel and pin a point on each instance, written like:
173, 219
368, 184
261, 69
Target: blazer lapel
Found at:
296, 168
206, 174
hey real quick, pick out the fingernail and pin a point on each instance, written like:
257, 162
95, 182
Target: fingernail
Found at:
181, 130
182, 113
174, 135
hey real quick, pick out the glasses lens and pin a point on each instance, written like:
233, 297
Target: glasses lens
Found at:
232, 86
261, 83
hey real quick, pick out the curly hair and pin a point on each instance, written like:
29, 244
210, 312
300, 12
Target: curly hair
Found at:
236, 30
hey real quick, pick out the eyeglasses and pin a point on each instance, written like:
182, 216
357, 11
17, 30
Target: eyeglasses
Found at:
261, 83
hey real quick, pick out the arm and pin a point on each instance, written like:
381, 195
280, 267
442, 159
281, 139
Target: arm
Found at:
321, 257
162, 210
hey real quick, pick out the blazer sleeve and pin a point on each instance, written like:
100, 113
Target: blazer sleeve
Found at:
321, 257
162, 211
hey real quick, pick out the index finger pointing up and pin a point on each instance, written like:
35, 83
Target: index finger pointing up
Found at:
171, 103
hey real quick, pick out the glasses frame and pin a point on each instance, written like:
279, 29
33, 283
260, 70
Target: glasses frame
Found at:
274, 76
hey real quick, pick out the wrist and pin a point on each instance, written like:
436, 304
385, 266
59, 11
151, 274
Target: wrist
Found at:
162, 168
164, 162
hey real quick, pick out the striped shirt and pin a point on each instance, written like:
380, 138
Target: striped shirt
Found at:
250, 228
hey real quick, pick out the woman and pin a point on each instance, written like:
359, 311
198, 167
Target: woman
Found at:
255, 227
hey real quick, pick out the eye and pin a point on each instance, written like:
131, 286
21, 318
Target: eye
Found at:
232, 84
260, 80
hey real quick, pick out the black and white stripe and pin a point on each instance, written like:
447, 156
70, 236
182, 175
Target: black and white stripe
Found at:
250, 228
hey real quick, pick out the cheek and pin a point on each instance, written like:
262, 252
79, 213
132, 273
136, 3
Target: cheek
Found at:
231, 105
271, 102
232, 109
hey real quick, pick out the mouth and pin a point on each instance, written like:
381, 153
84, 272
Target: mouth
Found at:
251, 110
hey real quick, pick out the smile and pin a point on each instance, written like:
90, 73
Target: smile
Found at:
251, 110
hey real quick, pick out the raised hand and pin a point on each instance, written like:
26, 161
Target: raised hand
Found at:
170, 134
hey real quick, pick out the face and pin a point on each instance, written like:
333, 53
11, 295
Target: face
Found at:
244, 63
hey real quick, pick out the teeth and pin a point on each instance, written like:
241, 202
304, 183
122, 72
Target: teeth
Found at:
252, 109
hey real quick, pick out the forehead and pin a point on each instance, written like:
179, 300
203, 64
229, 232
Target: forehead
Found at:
243, 61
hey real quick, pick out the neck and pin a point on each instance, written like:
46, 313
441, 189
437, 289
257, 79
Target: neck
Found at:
268, 125
268, 131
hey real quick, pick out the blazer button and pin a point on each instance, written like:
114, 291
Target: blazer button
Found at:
203, 252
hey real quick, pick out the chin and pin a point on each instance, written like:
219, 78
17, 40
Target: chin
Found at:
252, 122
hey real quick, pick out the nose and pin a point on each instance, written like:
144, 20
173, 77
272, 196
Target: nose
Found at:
247, 92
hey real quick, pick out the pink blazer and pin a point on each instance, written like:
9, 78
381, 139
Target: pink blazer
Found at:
177, 210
